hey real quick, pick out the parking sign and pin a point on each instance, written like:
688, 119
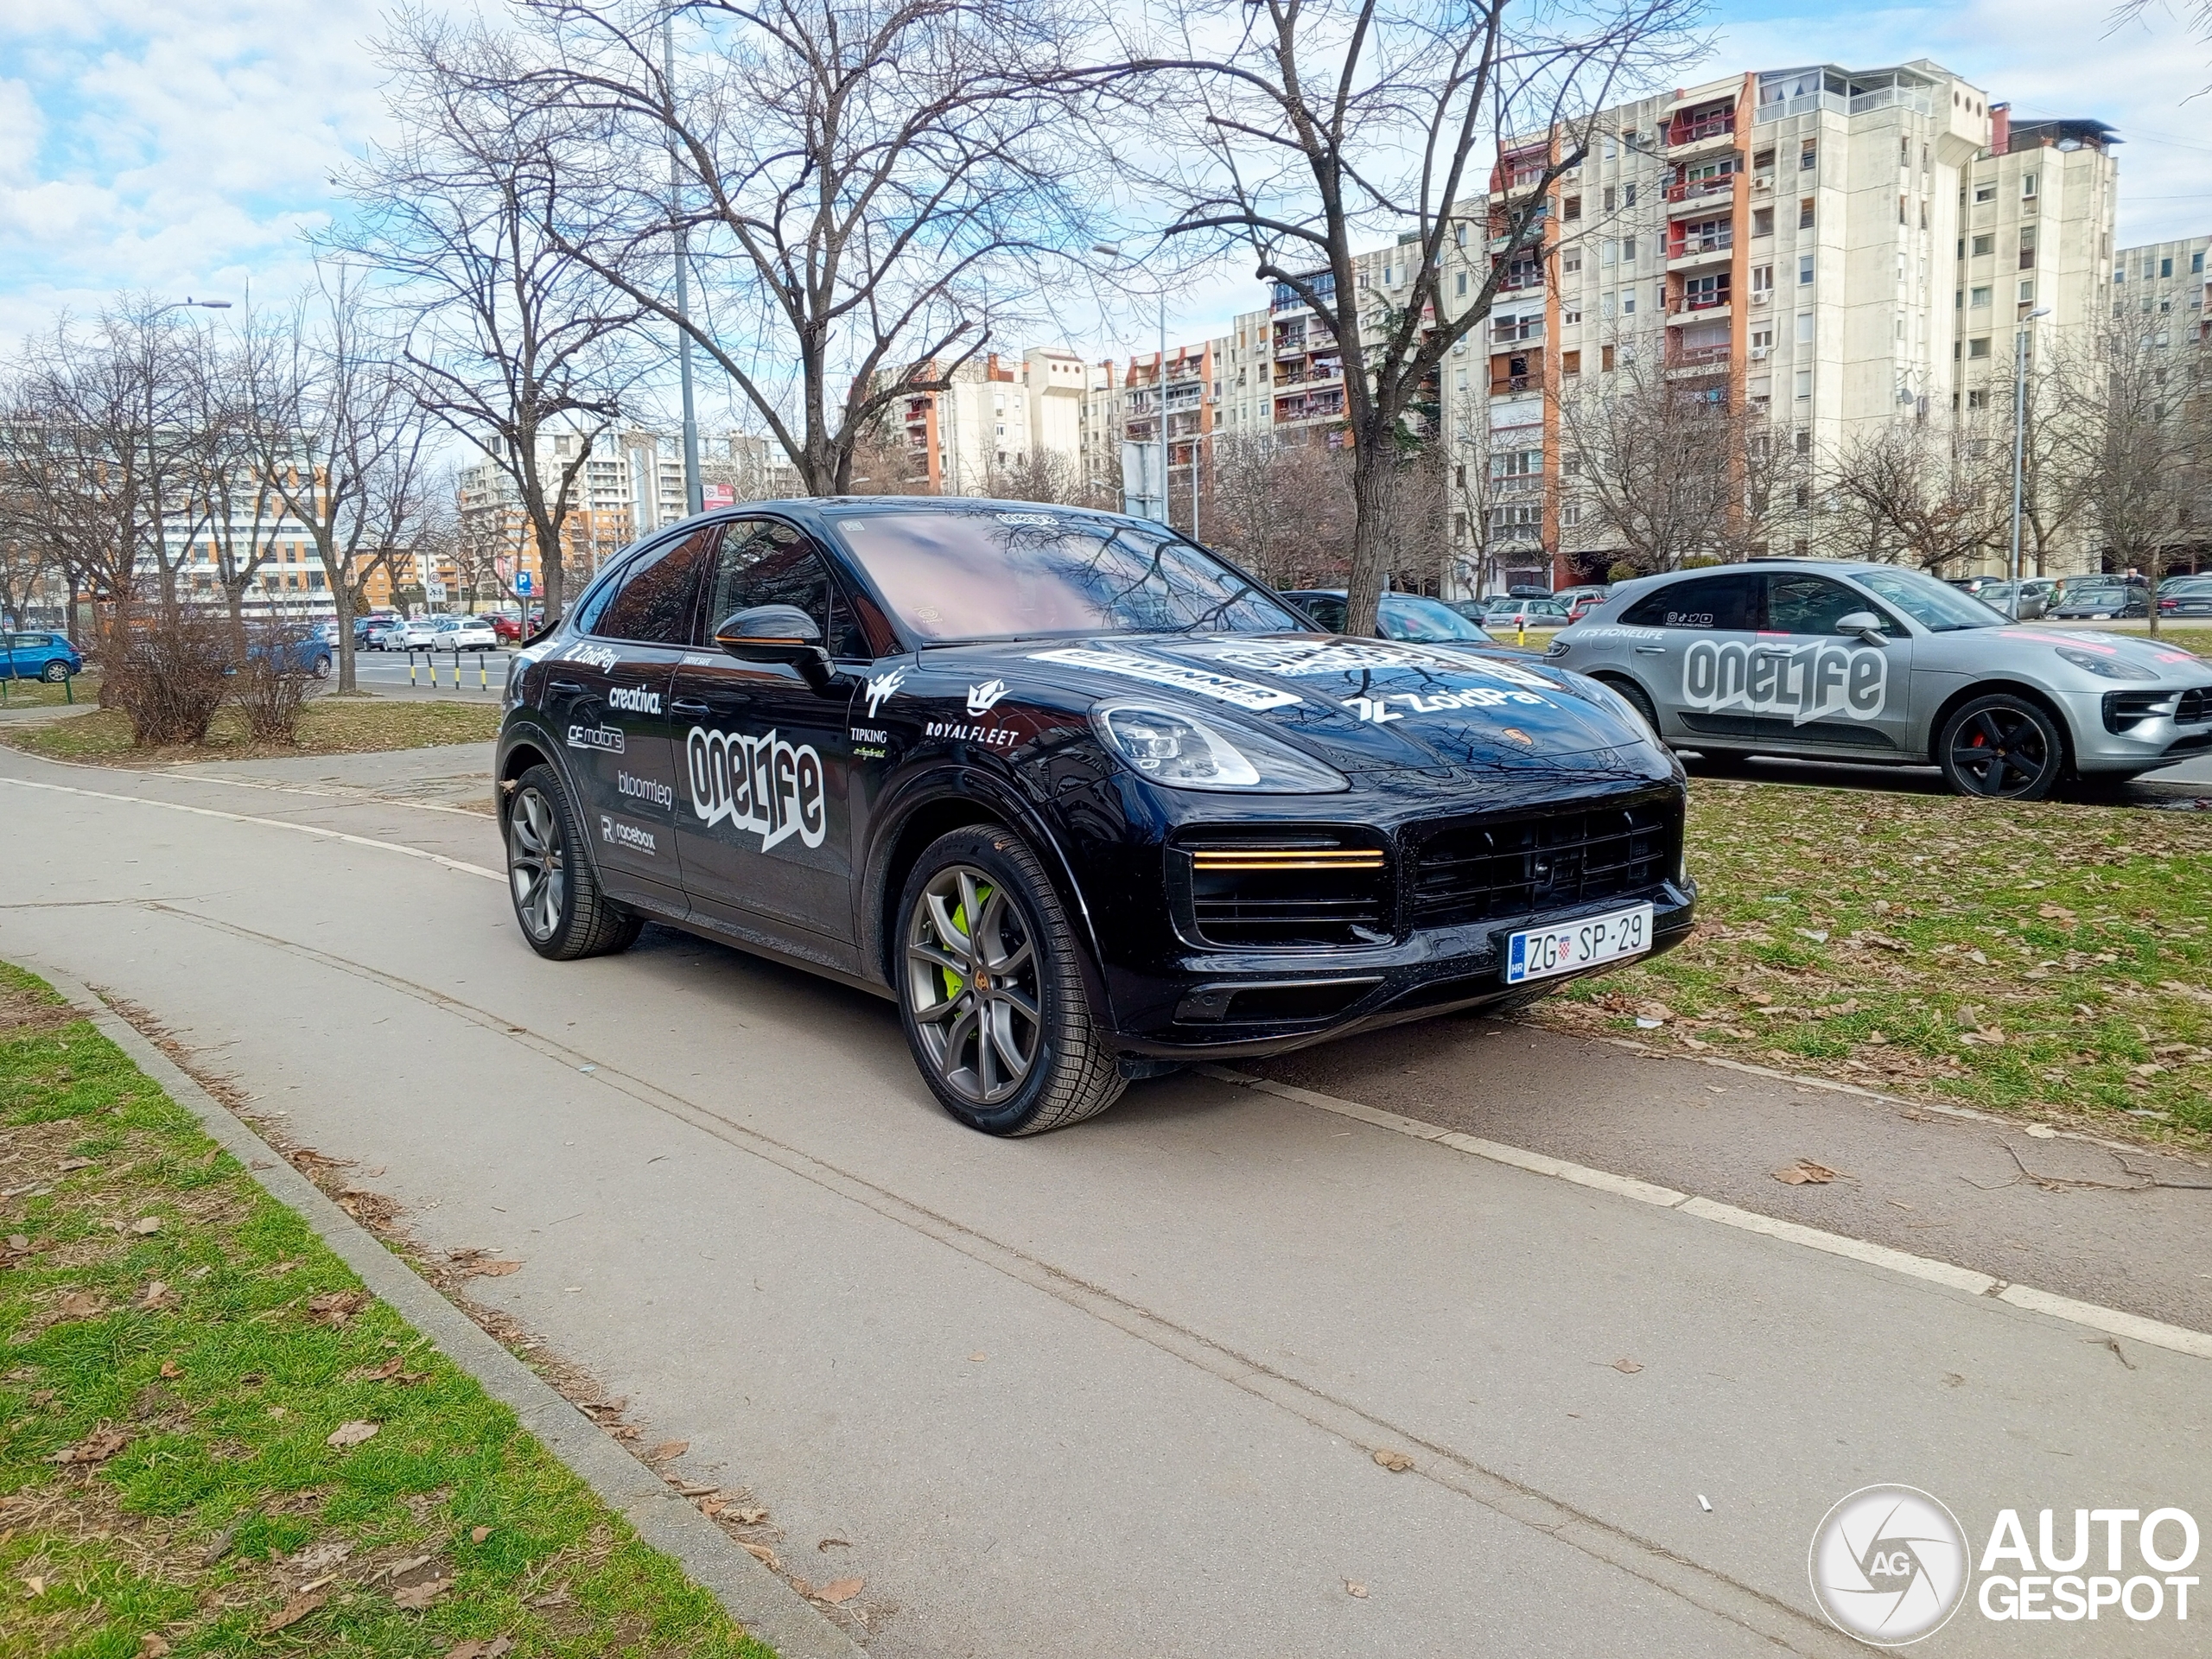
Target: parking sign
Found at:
522, 582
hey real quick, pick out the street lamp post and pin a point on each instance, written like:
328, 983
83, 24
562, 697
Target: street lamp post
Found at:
2020, 441
1113, 251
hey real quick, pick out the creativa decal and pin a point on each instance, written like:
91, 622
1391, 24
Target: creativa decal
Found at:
635, 699
759, 783
1807, 682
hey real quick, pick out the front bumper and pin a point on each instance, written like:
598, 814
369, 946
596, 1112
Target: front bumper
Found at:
2134, 728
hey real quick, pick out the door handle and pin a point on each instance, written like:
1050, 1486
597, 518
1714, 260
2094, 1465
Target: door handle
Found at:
570, 688
691, 706
1651, 650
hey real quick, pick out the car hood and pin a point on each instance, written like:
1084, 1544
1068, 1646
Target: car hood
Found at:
2037, 649
1363, 705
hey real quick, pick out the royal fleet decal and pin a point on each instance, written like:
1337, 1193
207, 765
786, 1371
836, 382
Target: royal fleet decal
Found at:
763, 785
1807, 682
1222, 688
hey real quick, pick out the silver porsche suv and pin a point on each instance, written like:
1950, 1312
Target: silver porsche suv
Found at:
1836, 661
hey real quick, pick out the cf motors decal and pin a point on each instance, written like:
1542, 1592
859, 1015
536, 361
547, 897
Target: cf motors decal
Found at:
596, 737
1807, 682
763, 785
1222, 688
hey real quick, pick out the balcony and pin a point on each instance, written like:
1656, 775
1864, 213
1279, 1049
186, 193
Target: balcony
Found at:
1687, 192
1319, 371
1705, 307
1312, 405
1699, 359
1696, 249
1701, 127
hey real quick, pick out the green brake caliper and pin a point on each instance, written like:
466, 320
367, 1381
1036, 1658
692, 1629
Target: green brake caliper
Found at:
954, 984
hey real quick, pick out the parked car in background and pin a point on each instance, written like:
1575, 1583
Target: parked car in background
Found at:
386, 633
1579, 599
368, 620
307, 653
420, 632
2185, 596
1518, 613
2022, 601
466, 633
1398, 616
2091, 596
40, 655
510, 628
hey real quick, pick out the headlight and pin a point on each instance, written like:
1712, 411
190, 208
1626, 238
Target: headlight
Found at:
1176, 747
2106, 667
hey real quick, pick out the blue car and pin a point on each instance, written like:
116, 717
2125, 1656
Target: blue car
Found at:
48, 656
310, 654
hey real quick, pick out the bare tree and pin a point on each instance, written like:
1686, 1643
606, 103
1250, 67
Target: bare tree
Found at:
867, 187
1282, 507
1046, 475
1300, 127
512, 337
339, 438
234, 504
1920, 491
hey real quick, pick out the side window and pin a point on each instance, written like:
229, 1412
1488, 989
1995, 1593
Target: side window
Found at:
27, 641
1326, 610
765, 562
654, 606
1714, 604
1806, 604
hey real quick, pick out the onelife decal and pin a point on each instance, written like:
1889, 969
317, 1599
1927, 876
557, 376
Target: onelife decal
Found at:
980, 697
1220, 687
880, 687
1807, 682
621, 834
761, 783
596, 737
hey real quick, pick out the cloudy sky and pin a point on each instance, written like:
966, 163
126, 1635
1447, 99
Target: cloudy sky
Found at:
182, 147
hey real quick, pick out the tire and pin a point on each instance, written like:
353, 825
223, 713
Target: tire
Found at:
2001, 747
1640, 700
322, 668
557, 895
978, 912
54, 672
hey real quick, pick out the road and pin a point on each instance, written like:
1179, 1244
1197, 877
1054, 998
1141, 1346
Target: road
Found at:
1116, 1390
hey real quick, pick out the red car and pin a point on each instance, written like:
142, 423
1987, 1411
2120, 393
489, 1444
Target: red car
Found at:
509, 628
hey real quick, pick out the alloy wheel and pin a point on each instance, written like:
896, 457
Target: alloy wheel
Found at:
2001, 752
972, 985
537, 863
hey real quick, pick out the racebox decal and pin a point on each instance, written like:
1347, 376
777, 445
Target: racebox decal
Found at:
761, 783
1220, 687
596, 737
1807, 682
635, 698
622, 834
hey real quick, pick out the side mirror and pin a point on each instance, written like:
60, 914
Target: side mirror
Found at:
778, 633
1865, 625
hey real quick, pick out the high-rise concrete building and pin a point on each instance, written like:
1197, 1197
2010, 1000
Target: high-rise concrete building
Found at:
2166, 282
993, 415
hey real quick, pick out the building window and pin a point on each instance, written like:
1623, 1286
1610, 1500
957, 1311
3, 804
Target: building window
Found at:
1608, 199
1628, 250
1981, 296
2165, 268
1762, 221
1762, 341
1605, 360
1570, 362
1977, 348
1808, 157
1571, 208
2196, 262
1804, 446
1459, 286
1570, 261
1983, 244
2028, 250
2028, 292
1762, 283
2027, 185
1804, 328
1805, 214
1628, 301
1985, 191
1804, 270
1804, 384
1977, 400
1628, 195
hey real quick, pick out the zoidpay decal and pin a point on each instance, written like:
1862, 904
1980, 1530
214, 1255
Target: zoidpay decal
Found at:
761, 783
1807, 682
1222, 688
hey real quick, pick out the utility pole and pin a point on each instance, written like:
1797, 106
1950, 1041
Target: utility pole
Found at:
694, 500
2020, 441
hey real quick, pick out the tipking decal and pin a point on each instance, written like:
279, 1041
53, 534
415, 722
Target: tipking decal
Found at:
1222, 688
1376, 710
881, 688
589, 656
980, 697
596, 737
761, 783
1807, 682
635, 698
991, 737
645, 789
620, 834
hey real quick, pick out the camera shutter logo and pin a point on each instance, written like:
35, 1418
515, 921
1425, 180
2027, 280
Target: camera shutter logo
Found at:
1889, 1565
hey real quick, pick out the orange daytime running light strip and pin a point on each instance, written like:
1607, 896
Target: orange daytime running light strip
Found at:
1287, 859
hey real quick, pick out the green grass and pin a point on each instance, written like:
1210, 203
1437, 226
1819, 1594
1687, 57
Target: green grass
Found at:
226, 1385
37, 694
334, 725
2053, 959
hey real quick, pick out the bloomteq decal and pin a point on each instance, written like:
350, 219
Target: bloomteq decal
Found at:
645, 789
881, 688
761, 783
1220, 687
1807, 682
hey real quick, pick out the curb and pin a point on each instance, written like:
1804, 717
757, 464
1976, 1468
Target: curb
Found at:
768, 1608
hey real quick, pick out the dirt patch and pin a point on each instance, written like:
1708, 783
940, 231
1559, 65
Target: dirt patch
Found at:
23, 1014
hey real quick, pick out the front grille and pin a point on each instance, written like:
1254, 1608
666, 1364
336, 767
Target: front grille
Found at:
1510, 867
2195, 706
1288, 891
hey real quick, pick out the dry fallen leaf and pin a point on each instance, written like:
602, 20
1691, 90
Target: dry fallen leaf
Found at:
493, 1269
152, 1647
835, 1543
978, 1357
414, 1597
839, 1590
77, 1305
292, 1613
762, 1553
170, 1368
1396, 1462
385, 1372
350, 1433
158, 1295
1805, 1173
746, 1517
320, 1558
69, 1164
666, 1450
1627, 1367
96, 1447
146, 1224
477, 1535
337, 1306
34, 1586
1354, 1588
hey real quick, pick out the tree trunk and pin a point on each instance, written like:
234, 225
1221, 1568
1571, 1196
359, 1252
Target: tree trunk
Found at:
1371, 485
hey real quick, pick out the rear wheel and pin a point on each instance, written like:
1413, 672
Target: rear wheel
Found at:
991, 993
54, 672
557, 899
2003, 748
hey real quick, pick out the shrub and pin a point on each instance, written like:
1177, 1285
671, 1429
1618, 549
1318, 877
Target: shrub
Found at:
169, 673
272, 683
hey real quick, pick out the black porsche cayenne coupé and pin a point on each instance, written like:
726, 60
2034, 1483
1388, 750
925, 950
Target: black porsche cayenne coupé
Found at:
1084, 800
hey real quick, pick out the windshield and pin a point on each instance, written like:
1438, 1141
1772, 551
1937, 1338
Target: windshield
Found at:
1936, 605
998, 574
1407, 616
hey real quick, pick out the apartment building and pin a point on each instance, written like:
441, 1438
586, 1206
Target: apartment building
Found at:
1123, 405
993, 414
2165, 282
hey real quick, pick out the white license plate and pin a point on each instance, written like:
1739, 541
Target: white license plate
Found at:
1540, 952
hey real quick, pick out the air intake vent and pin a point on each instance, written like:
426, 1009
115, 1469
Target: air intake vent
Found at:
1481, 871
1289, 891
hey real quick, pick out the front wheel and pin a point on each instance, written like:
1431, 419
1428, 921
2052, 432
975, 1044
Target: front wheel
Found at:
2002, 748
322, 668
54, 672
990, 994
557, 899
